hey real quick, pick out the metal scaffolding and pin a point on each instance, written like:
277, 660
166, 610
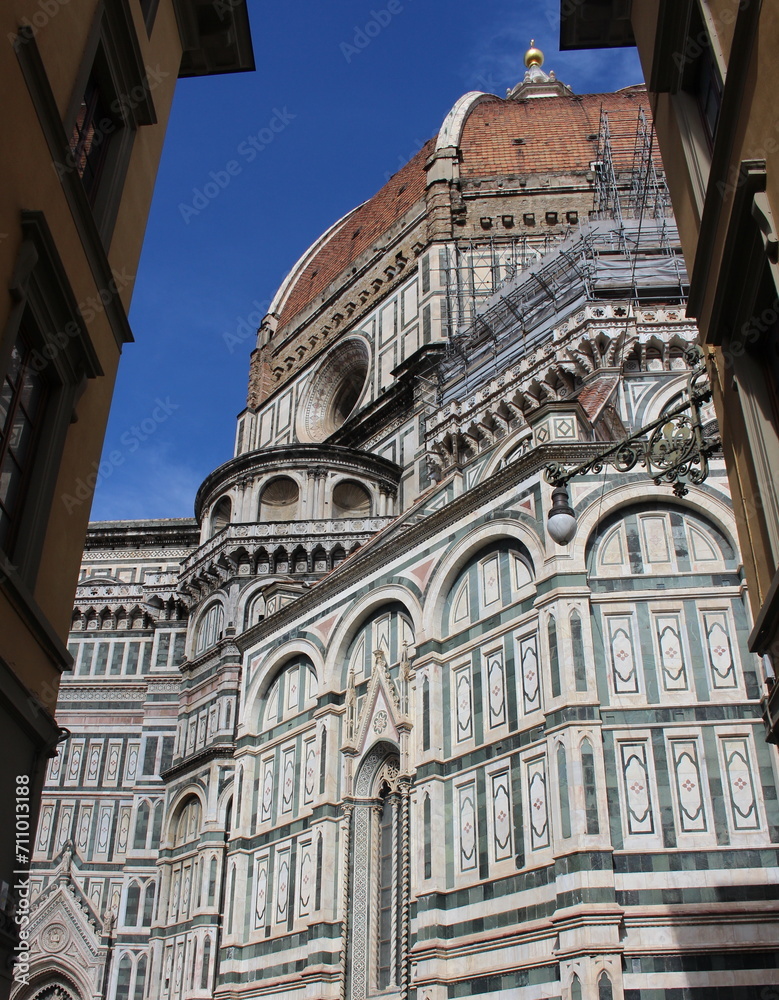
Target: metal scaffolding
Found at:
649, 193
629, 261
510, 288
608, 197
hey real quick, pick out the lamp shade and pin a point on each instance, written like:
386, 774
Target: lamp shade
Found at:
561, 520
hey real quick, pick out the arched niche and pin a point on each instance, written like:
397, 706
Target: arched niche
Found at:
209, 628
280, 500
388, 628
293, 690
446, 573
350, 499
221, 515
658, 539
186, 818
493, 577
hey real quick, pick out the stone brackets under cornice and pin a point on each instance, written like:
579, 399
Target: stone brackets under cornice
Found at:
598, 339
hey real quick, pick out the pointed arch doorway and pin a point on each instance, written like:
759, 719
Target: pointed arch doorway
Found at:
377, 900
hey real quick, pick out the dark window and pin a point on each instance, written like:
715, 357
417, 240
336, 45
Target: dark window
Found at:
140, 978
91, 134
590, 788
425, 714
701, 76
149, 10
141, 827
206, 964
554, 657
212, 882
709, 93
579, 659
322, 761
386, 892
428, 828
148, 905
150, 756
22, 406
133, 901
111, 102
318, 890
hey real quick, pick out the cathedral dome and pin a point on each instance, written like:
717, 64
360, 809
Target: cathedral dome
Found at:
351, 237
548, 136
490, 136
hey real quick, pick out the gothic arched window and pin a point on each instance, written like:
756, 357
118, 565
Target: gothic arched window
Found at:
141, 826
562, 784
140, 978
210, 628
132, 904
590, 789
554, 656
577, 642
204, 975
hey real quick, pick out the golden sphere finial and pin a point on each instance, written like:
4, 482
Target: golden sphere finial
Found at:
534, 56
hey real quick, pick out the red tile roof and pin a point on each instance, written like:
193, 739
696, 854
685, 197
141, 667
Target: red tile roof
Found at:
363, 227
593, 397
556, 134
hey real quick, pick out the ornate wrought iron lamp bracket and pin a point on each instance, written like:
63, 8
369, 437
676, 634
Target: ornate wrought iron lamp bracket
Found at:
673, 449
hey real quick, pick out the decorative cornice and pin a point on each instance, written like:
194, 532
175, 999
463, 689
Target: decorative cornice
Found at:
282, 457
221, 751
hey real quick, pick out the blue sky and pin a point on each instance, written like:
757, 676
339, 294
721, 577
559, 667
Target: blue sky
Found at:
342, 119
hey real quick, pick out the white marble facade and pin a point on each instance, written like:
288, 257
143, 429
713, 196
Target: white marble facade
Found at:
361, 728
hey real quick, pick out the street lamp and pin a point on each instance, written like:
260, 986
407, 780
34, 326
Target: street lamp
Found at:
561, 520
672, 449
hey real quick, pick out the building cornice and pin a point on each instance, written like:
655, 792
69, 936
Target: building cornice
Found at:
281, 457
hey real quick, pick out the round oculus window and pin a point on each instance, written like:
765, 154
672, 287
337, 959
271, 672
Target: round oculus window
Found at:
334, 391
